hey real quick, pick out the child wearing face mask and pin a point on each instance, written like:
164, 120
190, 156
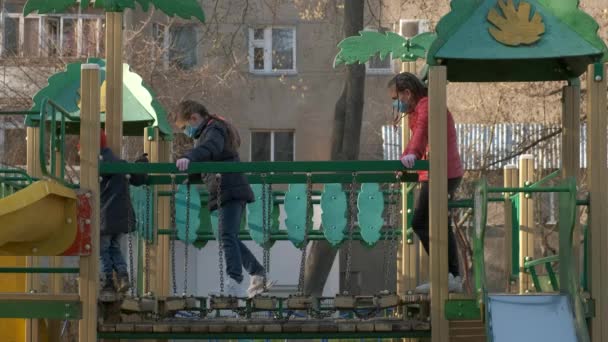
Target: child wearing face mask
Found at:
410, 96
215, 139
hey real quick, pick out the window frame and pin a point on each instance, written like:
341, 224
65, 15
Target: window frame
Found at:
42, 48
166, 43
272, 133
266, 44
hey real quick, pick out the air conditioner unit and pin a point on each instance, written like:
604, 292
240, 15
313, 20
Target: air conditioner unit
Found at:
411, 27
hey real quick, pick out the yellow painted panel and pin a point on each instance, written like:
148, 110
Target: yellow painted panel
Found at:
38, 220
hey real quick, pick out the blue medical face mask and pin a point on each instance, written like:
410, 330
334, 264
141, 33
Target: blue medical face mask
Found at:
400, 106
190, 131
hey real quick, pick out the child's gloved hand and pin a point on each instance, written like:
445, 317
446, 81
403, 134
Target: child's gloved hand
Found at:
143, 159
182, 164
408, 160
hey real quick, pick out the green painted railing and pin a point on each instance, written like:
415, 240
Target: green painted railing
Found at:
57, 140
266, 168
40, 270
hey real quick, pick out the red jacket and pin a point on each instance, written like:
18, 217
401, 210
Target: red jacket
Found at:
419, 142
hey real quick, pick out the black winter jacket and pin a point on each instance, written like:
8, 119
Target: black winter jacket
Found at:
210, 145
116, 210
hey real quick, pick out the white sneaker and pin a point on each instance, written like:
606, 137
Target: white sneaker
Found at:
256, 286
234, 289
454, 285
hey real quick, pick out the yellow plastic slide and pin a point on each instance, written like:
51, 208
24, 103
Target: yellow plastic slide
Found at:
39, 220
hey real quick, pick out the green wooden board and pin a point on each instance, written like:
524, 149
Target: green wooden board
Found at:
295, 209
371, 207
255, 221
333, 204
181, 204
139, 203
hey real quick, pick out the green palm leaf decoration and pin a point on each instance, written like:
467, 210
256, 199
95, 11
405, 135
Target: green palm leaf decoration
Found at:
569, 13
359, 49
183, 8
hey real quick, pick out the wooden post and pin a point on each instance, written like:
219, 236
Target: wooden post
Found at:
407, 258
571, 142
598, 214
438, 201
510, 180
114, 80
56, 280
526, 221
89, 180
159, 151
33, 280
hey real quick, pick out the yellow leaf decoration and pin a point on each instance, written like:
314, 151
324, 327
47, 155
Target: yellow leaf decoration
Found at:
515, 27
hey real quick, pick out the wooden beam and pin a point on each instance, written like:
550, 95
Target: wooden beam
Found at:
89, 181
32, 281
407, 258
526, 221
114, 101
438, 201
571, 142
510, 180
56, 280
159, 151
598, 215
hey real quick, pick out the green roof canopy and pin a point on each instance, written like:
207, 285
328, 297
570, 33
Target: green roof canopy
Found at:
516, 40
140, 107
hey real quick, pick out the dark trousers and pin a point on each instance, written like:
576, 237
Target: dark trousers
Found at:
237, 255
420, 223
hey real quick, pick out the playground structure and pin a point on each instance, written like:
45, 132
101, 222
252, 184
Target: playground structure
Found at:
466, 48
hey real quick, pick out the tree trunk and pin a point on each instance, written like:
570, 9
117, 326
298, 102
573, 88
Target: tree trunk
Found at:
348, 118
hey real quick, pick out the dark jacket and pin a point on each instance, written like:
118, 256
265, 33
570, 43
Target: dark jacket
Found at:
116, 210
210, 145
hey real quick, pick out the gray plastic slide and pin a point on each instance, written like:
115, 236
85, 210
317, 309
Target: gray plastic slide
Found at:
533, 318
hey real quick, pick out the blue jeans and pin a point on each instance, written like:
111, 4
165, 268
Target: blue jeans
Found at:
111, 257
237, 255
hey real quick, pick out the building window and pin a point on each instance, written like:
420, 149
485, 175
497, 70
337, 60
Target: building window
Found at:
69, 35
178, 45
377, 65
272, 146
272, 50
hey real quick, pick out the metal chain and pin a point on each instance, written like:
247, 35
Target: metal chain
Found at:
351, 227
396, 221
387, 232
186, 244
174, 235
391, 233
303, 249
265, 228
147, 241
220, 228
130, 243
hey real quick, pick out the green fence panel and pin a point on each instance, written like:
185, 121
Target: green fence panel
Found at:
264, 200
371, 206
142, 199
333, 205
295, 208
188, 207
